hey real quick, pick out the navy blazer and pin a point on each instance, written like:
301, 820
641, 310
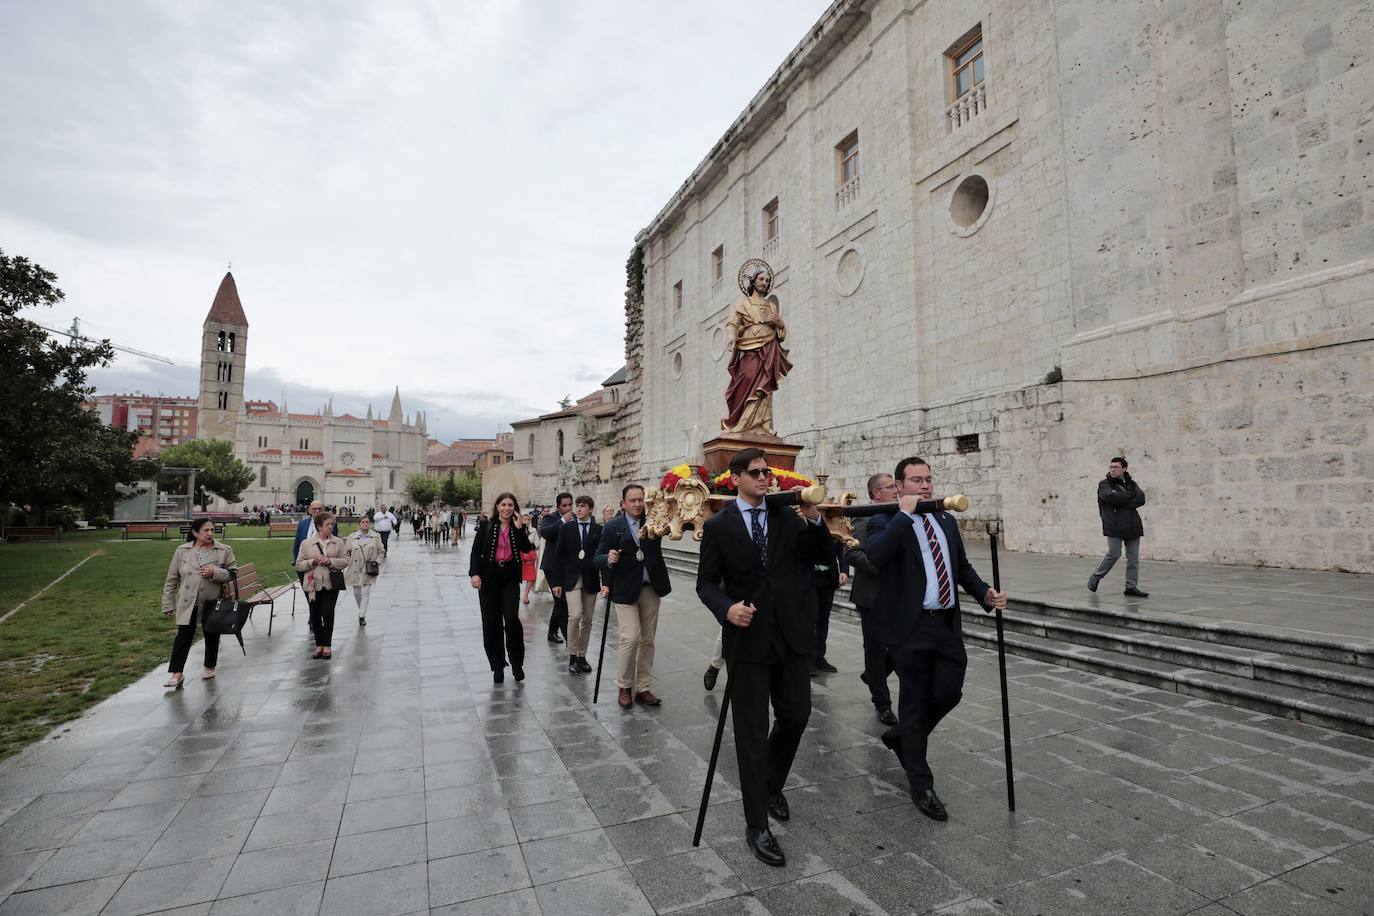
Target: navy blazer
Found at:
890, 544
626, 577
303, 530
567, 568
549, 526
731, 570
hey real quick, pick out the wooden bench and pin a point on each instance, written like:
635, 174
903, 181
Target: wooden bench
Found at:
186, 530
281, 528
144, 528
14, 535
254, 591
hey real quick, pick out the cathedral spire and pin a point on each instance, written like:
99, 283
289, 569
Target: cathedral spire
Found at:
226, 309
396, 415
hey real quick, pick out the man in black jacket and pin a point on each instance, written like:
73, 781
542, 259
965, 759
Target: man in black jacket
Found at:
753, 559
916, 615
1118, 498
577, 581
863, 588
633, 567
549, 527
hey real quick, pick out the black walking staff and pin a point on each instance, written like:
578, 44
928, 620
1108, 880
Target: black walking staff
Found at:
605, 625
1002, 671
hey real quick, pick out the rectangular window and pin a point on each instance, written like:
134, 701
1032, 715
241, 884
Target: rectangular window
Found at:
965, 444
717, 263
677, 296
966, 63
770, 220
848, 153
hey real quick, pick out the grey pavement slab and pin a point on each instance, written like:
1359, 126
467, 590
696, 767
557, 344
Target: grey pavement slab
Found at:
398, 779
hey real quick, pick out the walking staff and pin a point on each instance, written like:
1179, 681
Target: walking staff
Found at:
1002, 672
601, 656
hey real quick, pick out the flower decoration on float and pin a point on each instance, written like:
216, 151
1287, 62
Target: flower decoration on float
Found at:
682, 472
783, 479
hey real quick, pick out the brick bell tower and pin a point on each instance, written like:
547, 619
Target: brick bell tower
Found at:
223, 349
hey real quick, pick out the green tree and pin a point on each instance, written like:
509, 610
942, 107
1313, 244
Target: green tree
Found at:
448, 490
53, 450
218, 472
421, 490
470, 485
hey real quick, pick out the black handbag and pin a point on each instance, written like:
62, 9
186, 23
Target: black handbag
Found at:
226, 616
372, 568
336, 578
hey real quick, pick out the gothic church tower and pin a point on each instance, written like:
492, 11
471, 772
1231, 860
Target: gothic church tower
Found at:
223, 348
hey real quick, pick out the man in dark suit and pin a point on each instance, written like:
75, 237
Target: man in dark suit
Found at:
882, 488
826, 579
304, 528
549, 527
634, 570
751, 577
576, 579
916, 615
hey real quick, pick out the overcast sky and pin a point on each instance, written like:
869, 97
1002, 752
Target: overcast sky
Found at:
439, 196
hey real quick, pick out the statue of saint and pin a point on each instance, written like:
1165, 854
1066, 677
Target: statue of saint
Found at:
757, 358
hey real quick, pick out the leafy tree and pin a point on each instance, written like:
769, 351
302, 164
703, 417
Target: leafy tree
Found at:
470, 485
448, 490
218, 472
53, 450
421, 490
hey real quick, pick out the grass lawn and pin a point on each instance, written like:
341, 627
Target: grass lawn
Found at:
94, 632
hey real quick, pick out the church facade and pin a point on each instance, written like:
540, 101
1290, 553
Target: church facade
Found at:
1019, 237
343, 460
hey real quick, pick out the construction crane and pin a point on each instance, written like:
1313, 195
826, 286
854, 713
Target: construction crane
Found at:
74, 335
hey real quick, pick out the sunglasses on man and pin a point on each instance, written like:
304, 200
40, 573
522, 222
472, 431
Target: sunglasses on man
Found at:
758, 473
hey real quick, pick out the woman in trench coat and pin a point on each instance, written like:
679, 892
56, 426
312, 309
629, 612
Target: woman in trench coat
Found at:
198, 571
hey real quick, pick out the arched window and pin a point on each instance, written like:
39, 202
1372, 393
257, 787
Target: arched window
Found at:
231, 342
391, 480
560, 443
262, 477
220, 341
531, 445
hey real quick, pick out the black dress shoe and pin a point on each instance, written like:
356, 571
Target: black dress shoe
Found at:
518, 672
1136, 593
554, 637
765, 846
823, 665
583, 665
929, 804
777, 807
708, 680
892, 740
498, 677
572, 666
1092, 584
887, 717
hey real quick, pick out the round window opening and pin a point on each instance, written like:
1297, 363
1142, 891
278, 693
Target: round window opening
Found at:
970, 201
677, 365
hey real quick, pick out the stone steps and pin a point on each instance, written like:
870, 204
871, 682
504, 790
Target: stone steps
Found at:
1326, 682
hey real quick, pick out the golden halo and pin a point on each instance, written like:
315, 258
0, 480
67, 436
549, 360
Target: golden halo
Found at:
746, 269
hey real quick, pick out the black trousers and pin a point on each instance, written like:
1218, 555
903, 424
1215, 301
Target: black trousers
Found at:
765, 758
558, 617
930, 667
322, 616
877, 664
386, 535
181, 646
503, 635
825, 598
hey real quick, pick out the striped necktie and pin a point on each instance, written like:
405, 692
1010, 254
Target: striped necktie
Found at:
941, 571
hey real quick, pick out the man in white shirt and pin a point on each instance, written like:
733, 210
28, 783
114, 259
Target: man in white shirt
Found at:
383, 521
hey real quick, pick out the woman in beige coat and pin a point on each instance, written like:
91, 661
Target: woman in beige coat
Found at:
198, 571
362, 547
322, 555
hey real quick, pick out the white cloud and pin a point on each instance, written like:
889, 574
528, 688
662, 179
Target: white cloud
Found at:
437, 195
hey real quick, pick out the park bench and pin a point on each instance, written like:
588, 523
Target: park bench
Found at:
253, 591
219, 530
33, 534
281, 528
145, 528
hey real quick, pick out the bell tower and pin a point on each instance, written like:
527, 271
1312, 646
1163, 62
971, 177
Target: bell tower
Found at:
223, 348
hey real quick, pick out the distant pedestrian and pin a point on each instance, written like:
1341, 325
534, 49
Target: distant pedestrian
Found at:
460, 522
549, 528
1118, 498
322, 562
385, 520
364, 551
494, 567
304, 529
198, 570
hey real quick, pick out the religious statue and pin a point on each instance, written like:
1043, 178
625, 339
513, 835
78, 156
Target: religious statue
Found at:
758, 360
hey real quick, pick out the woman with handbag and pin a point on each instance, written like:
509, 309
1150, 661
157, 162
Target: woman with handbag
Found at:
495, 570
198, 571
322, 559
364, 551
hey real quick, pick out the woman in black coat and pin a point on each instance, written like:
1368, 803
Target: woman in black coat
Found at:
495, 570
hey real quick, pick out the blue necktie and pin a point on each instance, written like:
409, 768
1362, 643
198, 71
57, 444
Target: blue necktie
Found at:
756, 526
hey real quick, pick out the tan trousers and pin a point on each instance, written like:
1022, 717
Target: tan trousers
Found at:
638, 625
581, 610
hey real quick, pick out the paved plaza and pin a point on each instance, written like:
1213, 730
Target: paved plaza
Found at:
398, 779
